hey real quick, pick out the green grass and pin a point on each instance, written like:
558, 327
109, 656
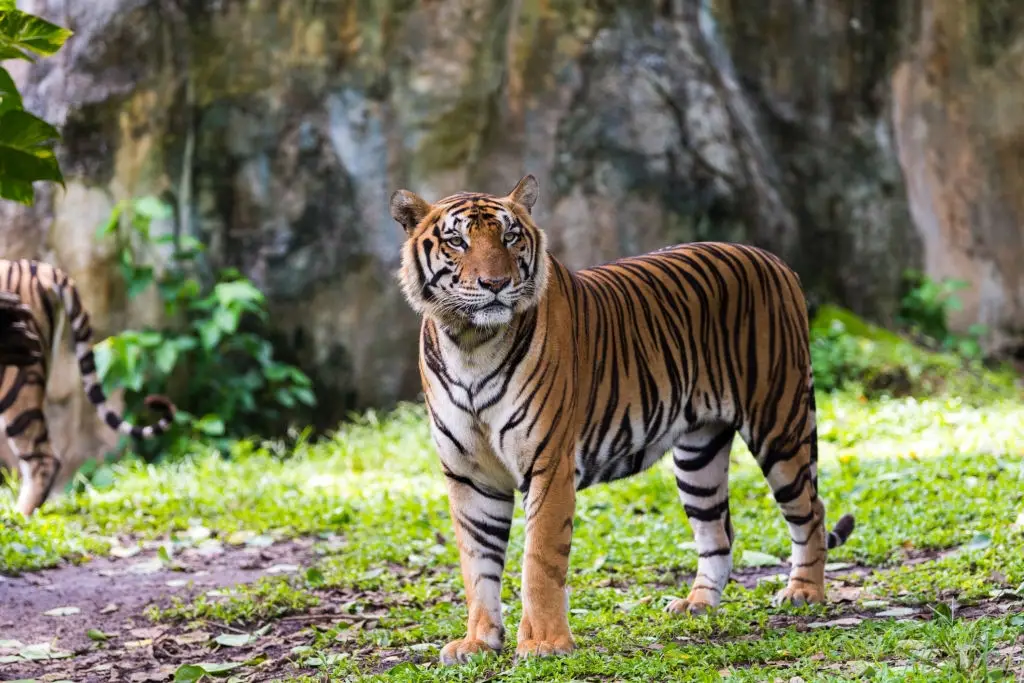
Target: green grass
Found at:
920, 476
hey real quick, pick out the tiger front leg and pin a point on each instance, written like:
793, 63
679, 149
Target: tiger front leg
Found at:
550, 505
701, 460
482, 518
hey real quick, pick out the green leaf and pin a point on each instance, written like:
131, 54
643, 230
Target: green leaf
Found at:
140, 281
10, 98
152, 208
188, 673
165, 358
22, 130
11, 52
226, 319
113, 222
979, 542
754, 558
235, 639
314, 577
285, 398
403, 668
97, 635
305, 396
238, 291
29, 32
210, 424
26, 155
209, 335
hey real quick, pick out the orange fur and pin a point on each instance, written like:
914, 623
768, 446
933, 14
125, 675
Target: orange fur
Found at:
546, 381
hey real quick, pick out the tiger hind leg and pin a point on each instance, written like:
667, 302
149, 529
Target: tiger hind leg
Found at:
22, 393
701, 464
793, 478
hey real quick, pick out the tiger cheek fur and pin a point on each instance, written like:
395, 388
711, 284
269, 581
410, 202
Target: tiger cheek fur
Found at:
594, 377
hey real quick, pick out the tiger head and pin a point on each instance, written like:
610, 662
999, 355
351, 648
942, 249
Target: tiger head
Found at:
471, 259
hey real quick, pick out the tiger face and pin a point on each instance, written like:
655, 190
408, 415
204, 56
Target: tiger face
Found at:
472, 260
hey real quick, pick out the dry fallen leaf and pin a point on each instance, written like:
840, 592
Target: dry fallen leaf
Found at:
135, 644
192, 638
161, 673
844, 622
897, 612
151, 632
61, 611
109, 607
845, 594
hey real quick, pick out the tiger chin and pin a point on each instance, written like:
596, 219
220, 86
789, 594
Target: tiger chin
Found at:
544, 380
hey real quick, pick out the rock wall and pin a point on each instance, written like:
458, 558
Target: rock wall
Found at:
959, 114
279, 129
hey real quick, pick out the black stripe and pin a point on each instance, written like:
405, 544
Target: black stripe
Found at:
22, 422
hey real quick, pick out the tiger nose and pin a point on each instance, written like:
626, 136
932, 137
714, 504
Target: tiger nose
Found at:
494, 284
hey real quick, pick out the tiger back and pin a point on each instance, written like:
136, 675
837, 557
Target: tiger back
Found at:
52, 297
547, 381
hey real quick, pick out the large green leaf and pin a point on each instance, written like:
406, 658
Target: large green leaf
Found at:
20, 31
21, 130
7, 5
26, 155
10, 98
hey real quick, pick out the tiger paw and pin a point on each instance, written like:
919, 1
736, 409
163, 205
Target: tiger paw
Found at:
689, 606
797, 594
459, 651
545, 648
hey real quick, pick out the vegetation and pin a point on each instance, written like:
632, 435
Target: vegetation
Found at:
923, 358
922, 443
26, 141
372, 498
928, 587
216, 359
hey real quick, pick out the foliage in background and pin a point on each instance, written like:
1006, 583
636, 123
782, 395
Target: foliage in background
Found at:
924, 311
849, 353
230, 384
26, 141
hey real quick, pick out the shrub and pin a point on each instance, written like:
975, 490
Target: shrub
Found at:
228, 384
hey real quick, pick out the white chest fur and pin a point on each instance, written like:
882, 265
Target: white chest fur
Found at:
472, 400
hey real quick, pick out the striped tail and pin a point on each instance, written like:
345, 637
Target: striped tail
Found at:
81, 333
841, 531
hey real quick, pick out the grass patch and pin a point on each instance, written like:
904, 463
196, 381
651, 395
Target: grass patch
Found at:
922, 476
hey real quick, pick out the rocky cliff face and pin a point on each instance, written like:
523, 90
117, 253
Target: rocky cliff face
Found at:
278, 131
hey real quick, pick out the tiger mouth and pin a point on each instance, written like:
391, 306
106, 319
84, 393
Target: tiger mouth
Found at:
493, 305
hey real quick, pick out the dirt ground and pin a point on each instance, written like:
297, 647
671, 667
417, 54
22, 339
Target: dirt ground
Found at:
111, 595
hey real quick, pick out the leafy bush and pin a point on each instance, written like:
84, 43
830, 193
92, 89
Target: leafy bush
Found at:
230, 385
924, 311
26, 141
848, 353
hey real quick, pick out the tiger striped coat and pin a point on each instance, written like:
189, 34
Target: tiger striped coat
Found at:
546, 381
50, 294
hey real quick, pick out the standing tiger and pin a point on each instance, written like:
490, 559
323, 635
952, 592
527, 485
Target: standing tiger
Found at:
45, 289
546, 380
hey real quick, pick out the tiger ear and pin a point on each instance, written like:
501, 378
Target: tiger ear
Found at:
525, 193
408, 208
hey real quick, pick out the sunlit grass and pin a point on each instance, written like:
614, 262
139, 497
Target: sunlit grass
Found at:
918, 475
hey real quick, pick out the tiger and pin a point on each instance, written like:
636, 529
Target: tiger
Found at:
44, 288
19, 343
547, 381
